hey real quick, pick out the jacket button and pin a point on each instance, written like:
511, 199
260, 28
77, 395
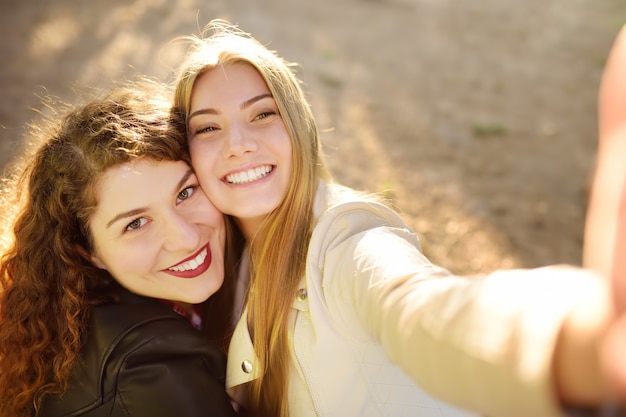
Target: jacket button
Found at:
246, 366
301, 294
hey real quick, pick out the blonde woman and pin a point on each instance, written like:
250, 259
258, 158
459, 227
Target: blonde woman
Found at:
342, 314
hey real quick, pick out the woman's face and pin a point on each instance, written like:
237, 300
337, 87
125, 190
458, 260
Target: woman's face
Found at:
239, 145
157, 233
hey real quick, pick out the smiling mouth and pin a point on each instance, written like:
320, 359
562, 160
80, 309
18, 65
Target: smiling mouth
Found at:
192, 264
250, 175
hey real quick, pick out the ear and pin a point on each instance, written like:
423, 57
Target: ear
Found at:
89, 257
97, 262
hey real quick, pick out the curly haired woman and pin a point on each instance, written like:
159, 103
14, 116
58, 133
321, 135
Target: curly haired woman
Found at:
114, 249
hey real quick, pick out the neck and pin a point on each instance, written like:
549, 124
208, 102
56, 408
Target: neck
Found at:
250, 226
187, 307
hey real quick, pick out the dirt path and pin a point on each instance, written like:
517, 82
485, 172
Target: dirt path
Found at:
479, 117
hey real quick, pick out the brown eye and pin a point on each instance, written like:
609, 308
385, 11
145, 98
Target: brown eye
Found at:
204, 130
136, 224
185, 194
264, 115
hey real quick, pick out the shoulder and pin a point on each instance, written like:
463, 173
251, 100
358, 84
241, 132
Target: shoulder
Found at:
152, 328
110, 325
335, 200
130, 342
342, 214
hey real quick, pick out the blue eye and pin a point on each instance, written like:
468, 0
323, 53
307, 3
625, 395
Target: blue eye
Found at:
136, 224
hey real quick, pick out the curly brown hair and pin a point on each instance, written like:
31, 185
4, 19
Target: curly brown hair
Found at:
48, 283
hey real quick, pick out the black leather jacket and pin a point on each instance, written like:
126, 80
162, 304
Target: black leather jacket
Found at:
142, 359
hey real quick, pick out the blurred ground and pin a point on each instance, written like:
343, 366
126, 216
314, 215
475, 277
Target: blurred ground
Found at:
477, 117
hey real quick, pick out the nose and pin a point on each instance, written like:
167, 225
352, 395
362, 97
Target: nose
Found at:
239, 142
180, 233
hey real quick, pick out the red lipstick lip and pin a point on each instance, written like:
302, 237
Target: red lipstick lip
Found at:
190, 257
193, 273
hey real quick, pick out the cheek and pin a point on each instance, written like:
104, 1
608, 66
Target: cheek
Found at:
126, 261
287, 154
222, 230
203, 160
221, 202
211, 216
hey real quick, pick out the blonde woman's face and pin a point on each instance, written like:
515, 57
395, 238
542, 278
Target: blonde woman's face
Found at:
157, 233
239, 145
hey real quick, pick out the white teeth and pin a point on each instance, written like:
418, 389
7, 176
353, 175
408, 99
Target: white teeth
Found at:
192, 264
249, 175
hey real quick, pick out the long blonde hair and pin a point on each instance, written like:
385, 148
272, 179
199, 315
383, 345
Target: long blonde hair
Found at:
278, 251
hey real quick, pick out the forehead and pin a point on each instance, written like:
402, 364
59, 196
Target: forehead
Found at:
138, 183
229, 81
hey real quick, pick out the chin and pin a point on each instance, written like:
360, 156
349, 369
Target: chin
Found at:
202, 294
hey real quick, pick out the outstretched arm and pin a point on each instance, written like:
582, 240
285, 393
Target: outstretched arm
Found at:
605, 229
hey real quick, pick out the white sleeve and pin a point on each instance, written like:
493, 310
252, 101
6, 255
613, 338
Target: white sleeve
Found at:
485, 343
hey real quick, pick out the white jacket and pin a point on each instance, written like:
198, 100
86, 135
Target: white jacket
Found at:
370, 300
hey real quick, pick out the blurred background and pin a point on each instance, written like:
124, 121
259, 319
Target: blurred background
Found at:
477, 117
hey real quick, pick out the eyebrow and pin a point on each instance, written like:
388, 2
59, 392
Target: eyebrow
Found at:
244, 105
135, 212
